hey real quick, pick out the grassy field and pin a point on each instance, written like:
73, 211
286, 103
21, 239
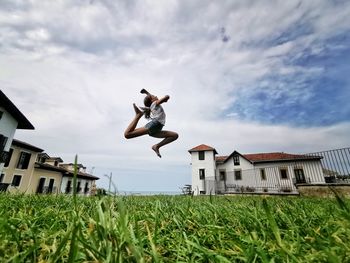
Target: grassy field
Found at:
173, 229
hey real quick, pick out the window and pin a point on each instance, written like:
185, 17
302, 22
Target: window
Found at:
222, 176
51, 184
69, 187
7, 163
299, 176
23, 161
3, 141
201, 174
41, 185
262, 174
78, 187
2, 177
86, 189
16, 180
236, 160
201, 155
284, 173
238, 175
202, 192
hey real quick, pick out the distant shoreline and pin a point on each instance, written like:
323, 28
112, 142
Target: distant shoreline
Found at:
149, 193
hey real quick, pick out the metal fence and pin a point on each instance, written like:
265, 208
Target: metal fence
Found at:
335, 164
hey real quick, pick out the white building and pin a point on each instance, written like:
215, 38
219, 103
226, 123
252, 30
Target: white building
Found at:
261, 173
10, 119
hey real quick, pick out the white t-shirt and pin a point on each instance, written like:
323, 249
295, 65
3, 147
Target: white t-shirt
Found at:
157, 113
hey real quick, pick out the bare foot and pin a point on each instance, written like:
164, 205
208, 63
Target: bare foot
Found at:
156, 149
136, 109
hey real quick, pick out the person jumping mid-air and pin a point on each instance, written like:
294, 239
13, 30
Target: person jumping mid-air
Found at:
154, 111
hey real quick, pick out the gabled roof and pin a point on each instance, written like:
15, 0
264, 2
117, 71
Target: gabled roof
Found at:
23, 122
26, 146
268, 157
64, 171
201, 148
59, 159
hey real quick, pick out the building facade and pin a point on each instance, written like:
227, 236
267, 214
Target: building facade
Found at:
263, 173
11, 118
29, 170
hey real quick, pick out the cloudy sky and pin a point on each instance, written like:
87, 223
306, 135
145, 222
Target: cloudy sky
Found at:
251, 76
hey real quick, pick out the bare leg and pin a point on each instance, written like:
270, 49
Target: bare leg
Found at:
131, 131
168, 136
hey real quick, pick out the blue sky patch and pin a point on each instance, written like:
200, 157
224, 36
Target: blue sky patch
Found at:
317, 100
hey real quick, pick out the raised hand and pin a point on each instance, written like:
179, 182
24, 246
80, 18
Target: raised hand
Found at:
143, 91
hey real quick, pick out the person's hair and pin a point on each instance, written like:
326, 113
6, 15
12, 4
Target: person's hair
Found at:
148, 102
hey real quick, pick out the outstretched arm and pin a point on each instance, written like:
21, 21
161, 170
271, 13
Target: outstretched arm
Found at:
164, 99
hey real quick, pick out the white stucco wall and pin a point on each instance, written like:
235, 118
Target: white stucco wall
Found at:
251, 176
208, 164
8, 126
82, 184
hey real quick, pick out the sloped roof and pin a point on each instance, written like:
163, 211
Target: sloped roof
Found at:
26, 145
277, 156
202, 147
64, 171
23, 122
221, 159
269, 157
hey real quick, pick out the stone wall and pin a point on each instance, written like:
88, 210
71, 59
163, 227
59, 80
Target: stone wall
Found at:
324, 190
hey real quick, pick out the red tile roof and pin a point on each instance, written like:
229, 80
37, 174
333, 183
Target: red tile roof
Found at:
266, 157
220, 158
202, 147
259, 157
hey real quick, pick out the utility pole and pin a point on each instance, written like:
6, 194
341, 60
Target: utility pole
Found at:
110, 181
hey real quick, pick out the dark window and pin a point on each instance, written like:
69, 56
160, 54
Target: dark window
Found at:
69, 187
222, 175
41, 185
299, 176
56, 163
1, 113
86, 189
263, 174
201, 155
202, 192
236, 160
3, 141
2, 177
23, 161
201, 174
238, 175
284, 173
16, 180
7, 163
78, 187
51, 183
265, 190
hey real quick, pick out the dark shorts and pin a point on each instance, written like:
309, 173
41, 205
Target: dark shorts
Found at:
154, 127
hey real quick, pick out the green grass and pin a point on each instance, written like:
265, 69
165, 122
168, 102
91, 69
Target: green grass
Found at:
173, 229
